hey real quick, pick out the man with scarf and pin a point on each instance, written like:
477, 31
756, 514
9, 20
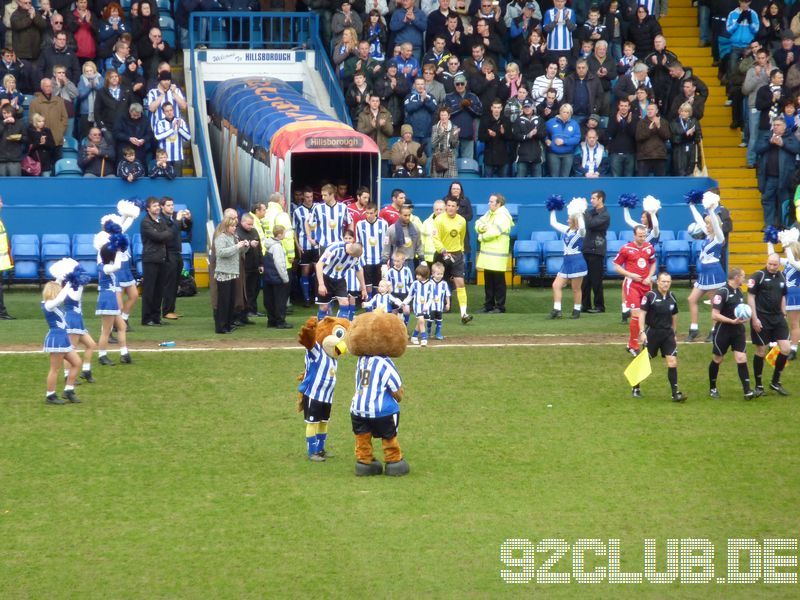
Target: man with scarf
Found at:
404, 237
5, 265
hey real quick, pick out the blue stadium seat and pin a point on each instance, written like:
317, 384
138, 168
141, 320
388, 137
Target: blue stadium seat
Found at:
677, 254
67, 166
468, 167
70, 148
683, 234
167, 25
84, 252
25, 251
187, 256
666, 235
164, 6
56, 238
611, 235
54, 248
626, 235
612, 248
544, 236
527, 258
553, 255
136, 251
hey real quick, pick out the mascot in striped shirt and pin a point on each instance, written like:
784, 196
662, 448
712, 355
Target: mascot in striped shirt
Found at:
376, 338
324, 343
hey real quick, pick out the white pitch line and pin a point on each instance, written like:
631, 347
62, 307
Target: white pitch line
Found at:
296, 348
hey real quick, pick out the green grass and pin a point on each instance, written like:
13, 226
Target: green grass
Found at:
183, 475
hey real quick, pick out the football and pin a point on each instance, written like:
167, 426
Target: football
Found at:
742, 311
696, 232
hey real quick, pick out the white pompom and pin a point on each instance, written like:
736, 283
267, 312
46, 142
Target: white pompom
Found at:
110, 217
788, 236
128, 209
61, 268
576, 206
710, 200
651, 204
100, 240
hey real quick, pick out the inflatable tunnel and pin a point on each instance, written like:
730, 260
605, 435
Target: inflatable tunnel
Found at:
266, 136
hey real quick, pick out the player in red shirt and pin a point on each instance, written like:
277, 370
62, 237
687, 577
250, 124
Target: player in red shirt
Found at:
358, 207
636, 262
391, 213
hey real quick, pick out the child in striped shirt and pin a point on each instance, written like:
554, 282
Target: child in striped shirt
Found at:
419, 297
440, 299
384, 299
399, 275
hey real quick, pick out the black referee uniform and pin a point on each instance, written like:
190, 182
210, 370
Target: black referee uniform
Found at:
728, 335
769, 290
659, 310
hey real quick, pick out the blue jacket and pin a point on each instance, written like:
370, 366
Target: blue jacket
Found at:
420, 114
409, 32
464, 117
786, 162
570, 132
741, 34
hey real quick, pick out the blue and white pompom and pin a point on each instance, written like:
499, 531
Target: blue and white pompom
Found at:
60, 268
771, 235
100, 240
137, 202
576, 206
77, 277
629, 201
693, 196
554, 202
112, 228
710, 200
111, 217
127, 208
118, 242
651, 204
788, 236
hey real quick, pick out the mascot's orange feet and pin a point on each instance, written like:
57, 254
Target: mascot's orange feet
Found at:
365, 460
395, 465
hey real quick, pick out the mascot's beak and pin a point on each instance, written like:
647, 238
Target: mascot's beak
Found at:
340, 349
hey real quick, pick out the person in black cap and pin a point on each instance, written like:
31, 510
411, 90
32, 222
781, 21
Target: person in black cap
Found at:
528, 131
165, 92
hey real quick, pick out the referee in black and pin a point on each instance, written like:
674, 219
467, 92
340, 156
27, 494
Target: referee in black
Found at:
658, 321
767, 298
729, 332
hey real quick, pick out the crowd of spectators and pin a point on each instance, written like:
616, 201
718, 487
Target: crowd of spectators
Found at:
526, 88
95, 77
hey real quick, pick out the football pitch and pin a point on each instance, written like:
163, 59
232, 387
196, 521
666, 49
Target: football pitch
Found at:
184, 474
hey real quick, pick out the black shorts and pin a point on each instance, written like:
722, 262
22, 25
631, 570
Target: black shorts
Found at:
726, 336
337, 288
383, 427
662, 340
453, 267
309, 257
436, 315
372, 275
315, 411
771, 331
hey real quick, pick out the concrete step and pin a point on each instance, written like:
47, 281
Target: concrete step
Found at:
747, 236
682, 12
716, 118
686, 40
730, 152
752, 248
729, 192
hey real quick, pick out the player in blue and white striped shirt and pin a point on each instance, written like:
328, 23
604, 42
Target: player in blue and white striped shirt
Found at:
171, 132
419, 297
558, 24
440, 299
328, 220
309, 255
399, 275
331, 283
371, 232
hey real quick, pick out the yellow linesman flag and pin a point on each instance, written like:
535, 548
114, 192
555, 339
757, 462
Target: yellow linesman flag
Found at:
639, 369
772, 355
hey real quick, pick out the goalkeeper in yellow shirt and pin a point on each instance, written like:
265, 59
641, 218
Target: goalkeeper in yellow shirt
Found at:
451, 229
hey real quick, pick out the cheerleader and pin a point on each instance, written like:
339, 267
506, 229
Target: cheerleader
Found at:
70, 274
791, 271
574, 266
112, 249
128, 213
710, 275
649, 218
56, 343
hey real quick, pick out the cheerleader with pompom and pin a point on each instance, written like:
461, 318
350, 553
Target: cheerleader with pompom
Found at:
791, 272
70, 274
710, 275
128, 213
56, 343
573, 268
112, 250
649, 218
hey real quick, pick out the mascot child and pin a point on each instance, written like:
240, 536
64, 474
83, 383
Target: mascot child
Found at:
376, 338
324, 344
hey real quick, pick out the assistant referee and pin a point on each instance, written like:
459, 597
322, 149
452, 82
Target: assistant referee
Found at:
658, 321
767, 298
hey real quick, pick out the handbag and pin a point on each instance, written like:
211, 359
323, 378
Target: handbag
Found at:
30, 166
700, 168
441, 159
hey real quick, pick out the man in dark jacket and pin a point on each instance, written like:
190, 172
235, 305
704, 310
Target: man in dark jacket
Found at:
775, 170
494, 130
528, 131
134, 130
584, 92
182, 221
465, 109
23, 71
96, 156
153, 50
253, 267
620, 140
597, 221
156, 233
27, 27
59, 54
